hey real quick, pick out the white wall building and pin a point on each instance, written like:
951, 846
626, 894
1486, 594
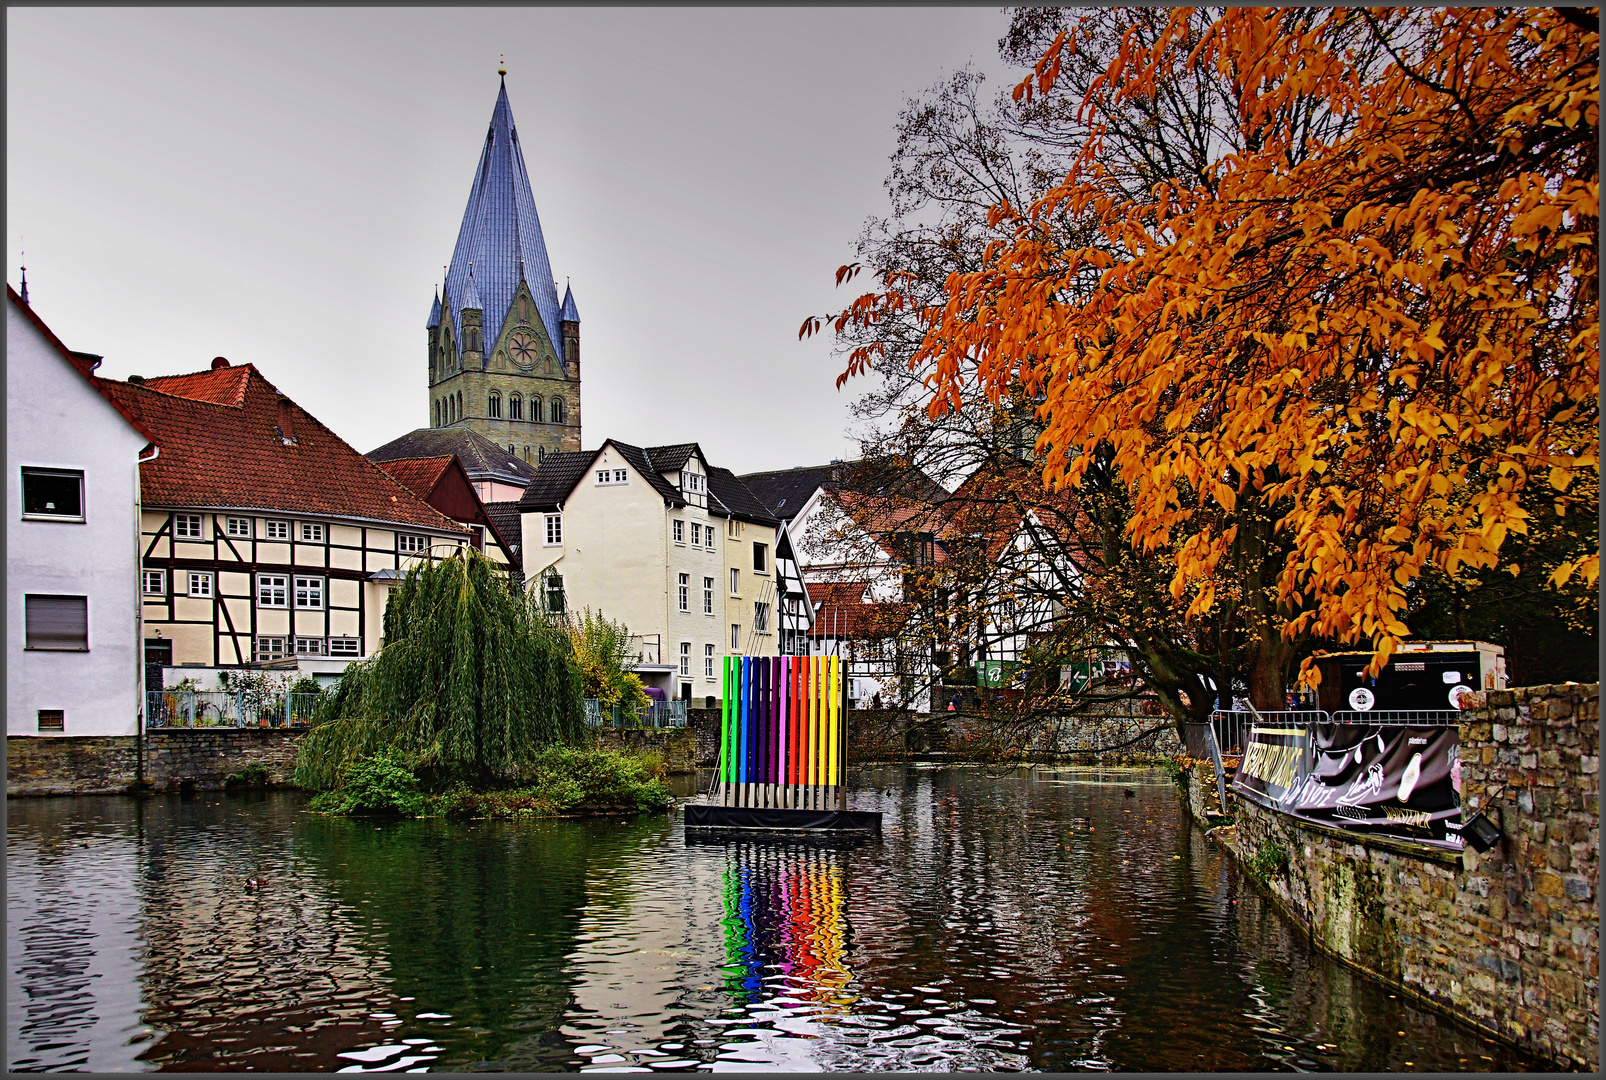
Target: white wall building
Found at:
658, 540
72, 555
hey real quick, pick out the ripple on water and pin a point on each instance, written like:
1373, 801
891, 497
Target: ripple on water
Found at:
1001, 924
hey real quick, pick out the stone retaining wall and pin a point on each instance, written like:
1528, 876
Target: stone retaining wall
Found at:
105, 765
1509, 940
677, 745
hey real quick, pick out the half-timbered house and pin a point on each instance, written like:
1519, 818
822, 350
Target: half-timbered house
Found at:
264, 536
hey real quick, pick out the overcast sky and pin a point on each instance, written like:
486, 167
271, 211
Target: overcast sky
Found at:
283, 187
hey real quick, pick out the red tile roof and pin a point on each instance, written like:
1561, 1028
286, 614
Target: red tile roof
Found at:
229, 439
418, 475
837, 592
861, 622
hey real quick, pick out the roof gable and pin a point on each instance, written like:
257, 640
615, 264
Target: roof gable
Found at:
267, 453
480, 458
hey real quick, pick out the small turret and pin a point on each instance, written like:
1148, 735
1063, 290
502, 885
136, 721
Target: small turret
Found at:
473, 322
569, 321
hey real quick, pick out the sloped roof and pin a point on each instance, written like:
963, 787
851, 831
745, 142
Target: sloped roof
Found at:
82, 362
785, 491
644, 465
555, 478
418, 475
672, 458
481, 458
728, 495
570, 312
993, 501
501, 237
837, 592
234, 455
861, 622
434, 313
509, 522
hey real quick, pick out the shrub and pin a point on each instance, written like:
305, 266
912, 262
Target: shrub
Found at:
570, 779
253, 775
1271, 861
378, 783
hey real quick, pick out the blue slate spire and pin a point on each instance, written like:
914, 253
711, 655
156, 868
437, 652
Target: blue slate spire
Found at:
471, 298
570, 312
500, 227
434, 312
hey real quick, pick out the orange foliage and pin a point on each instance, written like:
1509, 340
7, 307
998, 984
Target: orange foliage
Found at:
1380, 340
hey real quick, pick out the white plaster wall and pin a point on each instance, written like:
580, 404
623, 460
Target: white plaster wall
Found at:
55, 418
697, 563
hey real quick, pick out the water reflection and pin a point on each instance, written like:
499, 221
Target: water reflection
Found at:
1055, 920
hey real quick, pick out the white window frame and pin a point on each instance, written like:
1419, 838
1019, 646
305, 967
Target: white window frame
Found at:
733, 528
241, 528
411, 543
554, 531
621, 476
348, 646
761, 551
685, 658
602, 476
182, 524
312, 588
678, 529
46, 515
736, 637
708, 596
313, 532
149, 576
207, 587
708, 662
272, 647
683, 591
276, 589
696, 534
276, 530
736, 581
316, 646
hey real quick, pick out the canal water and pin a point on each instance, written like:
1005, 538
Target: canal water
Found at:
1014, 920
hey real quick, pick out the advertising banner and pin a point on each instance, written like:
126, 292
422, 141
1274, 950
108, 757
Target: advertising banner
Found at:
1381, 779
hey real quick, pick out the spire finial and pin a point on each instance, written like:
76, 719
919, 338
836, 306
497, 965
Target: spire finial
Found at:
501, 65
24, 254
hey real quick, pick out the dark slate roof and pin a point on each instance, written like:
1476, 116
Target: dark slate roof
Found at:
672, 458
501, 236
570, 312
509, 522
434, 313
784, 492
481, 458
554, 479
730, 496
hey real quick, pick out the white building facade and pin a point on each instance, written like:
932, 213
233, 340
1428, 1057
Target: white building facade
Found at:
72, 557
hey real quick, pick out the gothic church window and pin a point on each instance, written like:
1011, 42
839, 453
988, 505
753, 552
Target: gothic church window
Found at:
515, 407
459, 411
494, 406
557, 410
535, 409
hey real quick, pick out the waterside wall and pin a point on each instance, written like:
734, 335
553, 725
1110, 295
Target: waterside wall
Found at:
203, 758
1508, 940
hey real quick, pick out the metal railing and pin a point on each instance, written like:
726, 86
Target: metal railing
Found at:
222, 708
659, 714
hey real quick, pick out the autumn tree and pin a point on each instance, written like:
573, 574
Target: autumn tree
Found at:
1344, 339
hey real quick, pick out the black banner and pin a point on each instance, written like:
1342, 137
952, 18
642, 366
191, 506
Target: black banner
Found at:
1382, 779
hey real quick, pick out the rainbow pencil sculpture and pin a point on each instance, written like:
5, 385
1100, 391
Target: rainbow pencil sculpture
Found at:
781, 732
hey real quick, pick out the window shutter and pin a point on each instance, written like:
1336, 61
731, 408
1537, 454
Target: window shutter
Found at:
57, 622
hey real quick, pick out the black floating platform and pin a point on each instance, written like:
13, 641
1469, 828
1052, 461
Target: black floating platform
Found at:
754, 819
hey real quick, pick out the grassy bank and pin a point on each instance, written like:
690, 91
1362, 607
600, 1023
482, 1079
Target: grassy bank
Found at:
561, 781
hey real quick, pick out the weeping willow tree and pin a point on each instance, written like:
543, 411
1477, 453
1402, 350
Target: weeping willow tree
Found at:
473, 680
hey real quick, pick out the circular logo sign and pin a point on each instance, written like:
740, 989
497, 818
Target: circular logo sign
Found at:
1361, 699
1455, 694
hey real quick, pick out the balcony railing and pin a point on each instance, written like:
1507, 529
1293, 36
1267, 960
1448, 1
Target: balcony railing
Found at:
659, 714
221, 708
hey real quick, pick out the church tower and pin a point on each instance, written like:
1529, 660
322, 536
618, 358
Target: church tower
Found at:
504, 351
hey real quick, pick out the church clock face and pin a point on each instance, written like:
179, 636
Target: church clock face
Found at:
522, 347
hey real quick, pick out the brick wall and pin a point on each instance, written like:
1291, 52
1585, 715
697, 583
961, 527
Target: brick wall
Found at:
677, 745
1508, 940
70, 764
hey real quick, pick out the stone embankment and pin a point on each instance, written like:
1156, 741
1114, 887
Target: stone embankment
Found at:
202, 758
1508, 940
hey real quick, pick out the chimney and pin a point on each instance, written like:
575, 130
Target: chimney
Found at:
286, 426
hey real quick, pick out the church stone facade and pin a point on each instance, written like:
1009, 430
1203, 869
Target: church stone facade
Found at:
504, 351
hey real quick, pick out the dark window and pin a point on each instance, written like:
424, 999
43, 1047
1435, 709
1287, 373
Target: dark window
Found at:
760, 555
53, 493
52, 720
554, 594
557, 410
57, 622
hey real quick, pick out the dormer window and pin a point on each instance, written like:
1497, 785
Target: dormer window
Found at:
694, 483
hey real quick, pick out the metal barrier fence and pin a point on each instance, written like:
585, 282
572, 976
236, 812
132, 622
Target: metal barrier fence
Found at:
659, 714
1232, 727
222, 708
